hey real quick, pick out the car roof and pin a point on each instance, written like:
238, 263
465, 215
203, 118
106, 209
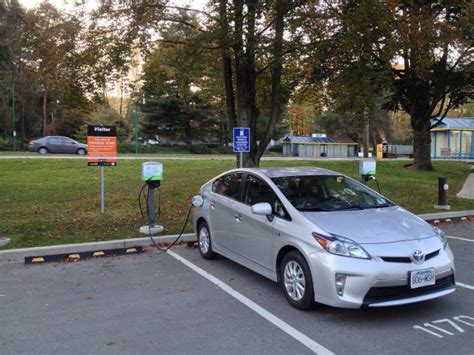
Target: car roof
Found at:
54, 137
293, 171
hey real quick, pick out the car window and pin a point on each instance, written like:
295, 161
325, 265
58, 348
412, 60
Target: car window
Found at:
257, 191
54, 140
228, 185
65, 141
328, 193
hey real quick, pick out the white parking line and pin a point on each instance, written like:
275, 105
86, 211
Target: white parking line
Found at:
288, 329
465, 286
465, 239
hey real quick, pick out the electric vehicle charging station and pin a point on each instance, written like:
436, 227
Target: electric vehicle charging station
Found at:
152, 175
367, 169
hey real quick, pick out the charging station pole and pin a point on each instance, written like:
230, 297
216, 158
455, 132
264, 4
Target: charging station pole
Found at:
152, 174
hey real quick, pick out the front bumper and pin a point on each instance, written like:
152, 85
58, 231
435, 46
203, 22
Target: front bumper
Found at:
375, 282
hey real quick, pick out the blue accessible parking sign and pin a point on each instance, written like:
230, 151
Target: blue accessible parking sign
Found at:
241, 139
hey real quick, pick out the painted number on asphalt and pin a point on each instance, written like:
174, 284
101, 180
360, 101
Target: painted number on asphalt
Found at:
438, 331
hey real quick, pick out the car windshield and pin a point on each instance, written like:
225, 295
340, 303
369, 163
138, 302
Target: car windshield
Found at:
328, 193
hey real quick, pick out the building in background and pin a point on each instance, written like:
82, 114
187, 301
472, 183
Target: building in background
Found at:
319, 145
453, 139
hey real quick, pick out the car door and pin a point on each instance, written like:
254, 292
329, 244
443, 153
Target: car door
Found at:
67, 146
254, 234
54, 144
224, 200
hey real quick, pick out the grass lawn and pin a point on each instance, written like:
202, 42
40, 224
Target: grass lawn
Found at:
46, 202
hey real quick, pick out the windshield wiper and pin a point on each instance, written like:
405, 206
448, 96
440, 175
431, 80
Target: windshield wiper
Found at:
351, 207
315, 209
379, 206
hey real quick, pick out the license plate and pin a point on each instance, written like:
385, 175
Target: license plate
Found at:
421, 278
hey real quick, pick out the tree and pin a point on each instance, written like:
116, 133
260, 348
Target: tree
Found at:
174, 118
246, 39
50, 37
107, 116
249, 36
179, 103
436, 45
11, 22
432, 38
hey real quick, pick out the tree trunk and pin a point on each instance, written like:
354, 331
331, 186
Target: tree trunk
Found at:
188, 136
227, 64
374, 140
275, 106
244, 57
45, 113
22, 119
422, 146
121, 97
366, 139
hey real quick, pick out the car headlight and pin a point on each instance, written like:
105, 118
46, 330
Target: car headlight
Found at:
338, 245
440, 234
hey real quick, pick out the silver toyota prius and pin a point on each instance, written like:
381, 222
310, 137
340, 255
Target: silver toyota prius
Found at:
324, 236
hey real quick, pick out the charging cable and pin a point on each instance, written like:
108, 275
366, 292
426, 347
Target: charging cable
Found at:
375, 179
157, 214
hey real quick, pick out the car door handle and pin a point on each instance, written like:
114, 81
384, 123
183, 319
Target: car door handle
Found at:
213, 206
238, 217
276, 233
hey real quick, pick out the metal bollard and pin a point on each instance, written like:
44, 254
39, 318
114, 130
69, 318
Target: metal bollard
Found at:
443, 187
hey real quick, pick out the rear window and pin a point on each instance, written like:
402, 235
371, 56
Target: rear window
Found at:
228, 185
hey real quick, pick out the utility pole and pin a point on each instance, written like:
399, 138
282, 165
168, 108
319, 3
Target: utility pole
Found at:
13, 110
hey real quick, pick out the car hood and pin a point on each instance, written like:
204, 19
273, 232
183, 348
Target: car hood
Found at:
374, 225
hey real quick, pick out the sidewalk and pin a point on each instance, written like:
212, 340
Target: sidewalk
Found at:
467, 190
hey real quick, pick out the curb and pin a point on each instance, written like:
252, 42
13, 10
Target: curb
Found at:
444, 215
21, 254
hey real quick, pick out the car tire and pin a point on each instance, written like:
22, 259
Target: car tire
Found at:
43, 151
81, 151
296, 281
204, 242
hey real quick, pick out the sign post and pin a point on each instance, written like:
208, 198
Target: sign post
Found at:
241, 142
101, 151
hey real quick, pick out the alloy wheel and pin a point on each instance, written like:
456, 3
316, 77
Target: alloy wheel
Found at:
295, 283
204, 240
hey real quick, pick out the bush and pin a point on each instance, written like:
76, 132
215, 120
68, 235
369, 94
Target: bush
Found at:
224, 150
276, 148
166, 148
6, 144
127, 147
200, 149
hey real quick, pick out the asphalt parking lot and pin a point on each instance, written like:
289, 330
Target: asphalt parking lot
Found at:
179, 303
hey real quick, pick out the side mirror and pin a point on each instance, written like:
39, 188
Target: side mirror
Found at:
197, 201
262, 208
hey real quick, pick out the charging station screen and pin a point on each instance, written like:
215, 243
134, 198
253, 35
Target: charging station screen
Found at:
101, 145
